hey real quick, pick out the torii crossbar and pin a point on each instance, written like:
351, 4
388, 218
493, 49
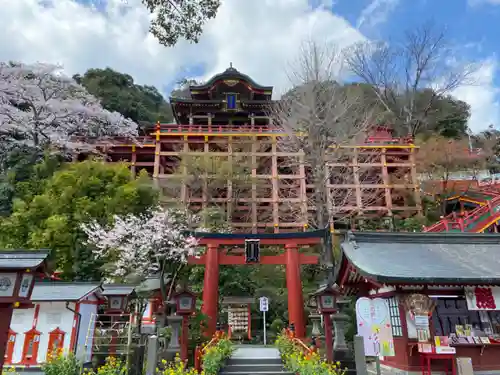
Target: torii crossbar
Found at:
292, 259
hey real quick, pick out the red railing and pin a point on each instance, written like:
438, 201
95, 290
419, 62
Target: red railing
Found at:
199, 351
452, 221
181, 128
307, 349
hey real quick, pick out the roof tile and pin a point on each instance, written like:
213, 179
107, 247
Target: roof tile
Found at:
425, 257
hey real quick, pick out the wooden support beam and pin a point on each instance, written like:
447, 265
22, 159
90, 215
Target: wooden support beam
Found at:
229, 205
414, 178
254, 186
184, 188
133, 161
274, 183
357, 182
387, 183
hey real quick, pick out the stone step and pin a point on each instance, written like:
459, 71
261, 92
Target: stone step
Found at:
250, 360
253, 367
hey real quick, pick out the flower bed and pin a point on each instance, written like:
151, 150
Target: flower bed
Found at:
301, 362
215, 355
177, 367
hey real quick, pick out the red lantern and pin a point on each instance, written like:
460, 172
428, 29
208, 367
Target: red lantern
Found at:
185, 302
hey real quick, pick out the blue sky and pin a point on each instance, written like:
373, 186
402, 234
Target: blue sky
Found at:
260, 37
474, 24
466, 23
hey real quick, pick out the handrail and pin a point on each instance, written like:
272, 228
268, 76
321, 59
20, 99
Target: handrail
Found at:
308, 350
445, 224
200, 351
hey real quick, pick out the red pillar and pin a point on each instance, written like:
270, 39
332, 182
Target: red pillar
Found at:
294, 286
185, 338
327, 319
6, 311
211, 287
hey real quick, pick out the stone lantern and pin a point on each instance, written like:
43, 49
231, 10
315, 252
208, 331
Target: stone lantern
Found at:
326, 303
315, 317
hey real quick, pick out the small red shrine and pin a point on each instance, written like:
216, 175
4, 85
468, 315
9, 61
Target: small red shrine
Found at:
227, 249
17, 279
443, 294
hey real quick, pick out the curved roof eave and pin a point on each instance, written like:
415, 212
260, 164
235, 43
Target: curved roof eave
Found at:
230, 73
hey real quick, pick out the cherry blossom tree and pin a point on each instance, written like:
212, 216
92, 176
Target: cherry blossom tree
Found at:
41, 106
136, 247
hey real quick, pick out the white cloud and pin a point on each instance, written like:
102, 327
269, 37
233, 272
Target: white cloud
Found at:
259, 37
483, 97
376, 13
481, 2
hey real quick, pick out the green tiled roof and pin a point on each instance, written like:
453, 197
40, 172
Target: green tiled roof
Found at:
426, 258
20, 259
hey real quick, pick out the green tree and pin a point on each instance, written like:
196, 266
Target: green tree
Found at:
22, 172
118, 92
444, 115
180, 19
51, 217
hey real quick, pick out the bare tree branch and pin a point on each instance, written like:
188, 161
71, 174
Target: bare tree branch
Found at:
409, 76
323, 121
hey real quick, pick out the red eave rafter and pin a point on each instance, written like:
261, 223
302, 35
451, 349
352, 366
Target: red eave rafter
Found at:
351, 281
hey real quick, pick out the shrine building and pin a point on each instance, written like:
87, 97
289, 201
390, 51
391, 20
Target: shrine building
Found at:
58, 319
227, 122
443, 294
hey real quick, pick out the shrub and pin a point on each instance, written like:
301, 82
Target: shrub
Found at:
277, 325
176, 368
215, 355
300, 363
112, 366
61, 364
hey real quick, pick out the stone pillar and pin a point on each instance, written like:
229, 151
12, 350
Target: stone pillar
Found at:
316, 321
339, 325
174, 322
341, 351
359, 356
173, 347
211, 288
152, 355
294, 286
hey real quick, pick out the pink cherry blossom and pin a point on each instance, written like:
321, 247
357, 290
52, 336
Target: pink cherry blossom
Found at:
39, 105
142, 245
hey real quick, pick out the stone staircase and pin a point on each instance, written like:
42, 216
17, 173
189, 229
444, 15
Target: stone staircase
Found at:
254, 360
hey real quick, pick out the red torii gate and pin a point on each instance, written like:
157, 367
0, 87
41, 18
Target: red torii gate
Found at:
213, 258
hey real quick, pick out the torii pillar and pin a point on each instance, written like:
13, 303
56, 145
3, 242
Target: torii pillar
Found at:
294, 286
211, 287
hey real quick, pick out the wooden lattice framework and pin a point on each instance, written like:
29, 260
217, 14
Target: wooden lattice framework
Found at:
275, 196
